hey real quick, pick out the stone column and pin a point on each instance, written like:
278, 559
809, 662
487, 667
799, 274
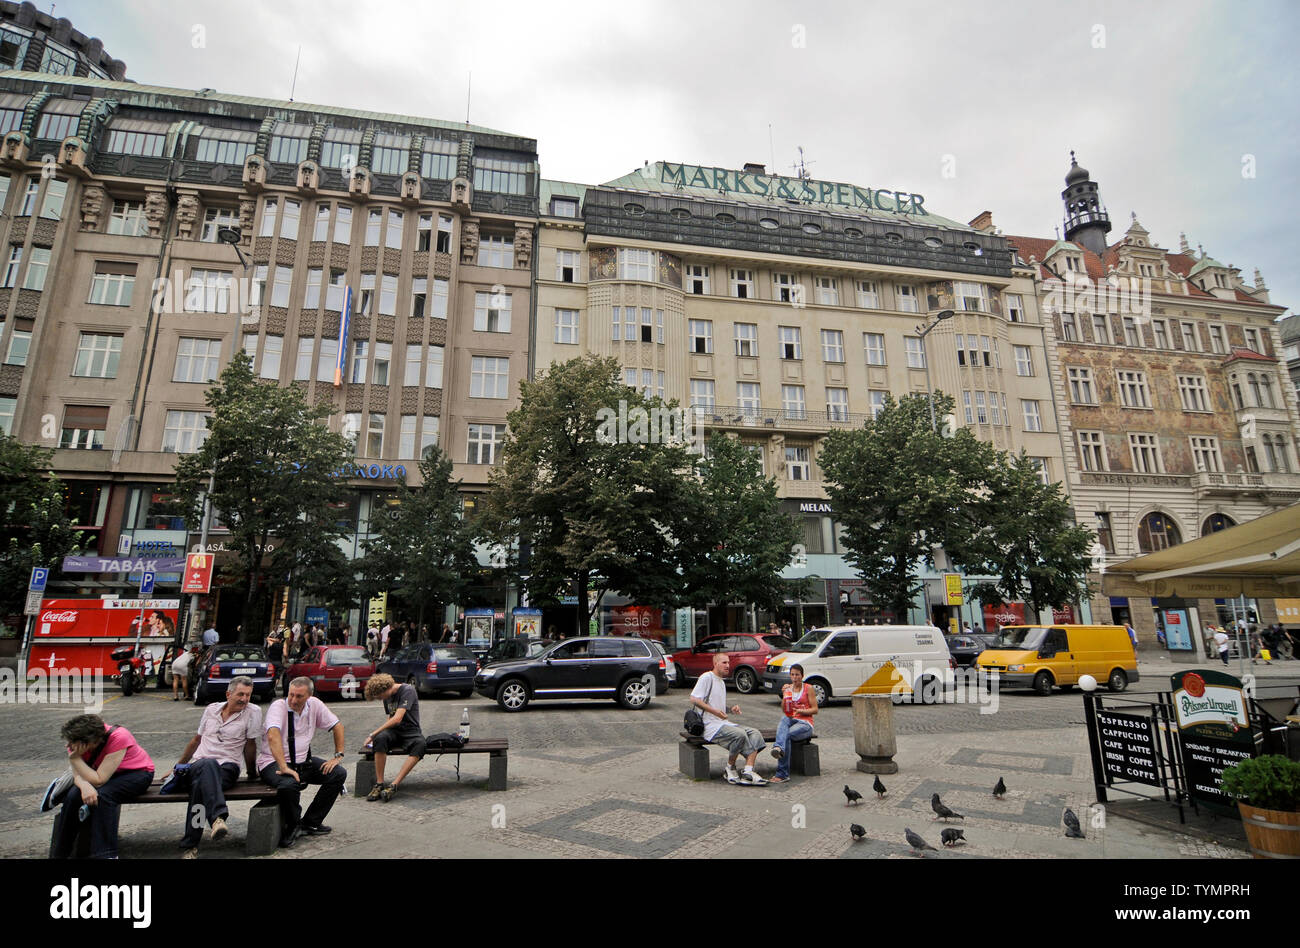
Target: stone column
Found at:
873, 733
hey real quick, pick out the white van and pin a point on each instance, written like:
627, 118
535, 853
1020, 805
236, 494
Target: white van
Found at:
843, 660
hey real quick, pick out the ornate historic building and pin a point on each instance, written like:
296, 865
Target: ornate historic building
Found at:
150, 233
33, 41
1177, 414
780, 309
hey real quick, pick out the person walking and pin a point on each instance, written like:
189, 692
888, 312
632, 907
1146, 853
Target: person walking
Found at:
1221, 640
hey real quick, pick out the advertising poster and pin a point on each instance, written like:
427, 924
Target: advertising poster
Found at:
528, 622
1214, 730
79, 634
1007, 613
1178, 631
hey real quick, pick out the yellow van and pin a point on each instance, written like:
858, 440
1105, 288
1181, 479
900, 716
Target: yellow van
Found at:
1043, 656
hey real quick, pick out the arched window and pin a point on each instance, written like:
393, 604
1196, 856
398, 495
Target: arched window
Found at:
1157, 532
1216, 522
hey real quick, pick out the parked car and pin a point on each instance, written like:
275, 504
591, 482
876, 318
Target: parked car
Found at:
219, 663
907, 662
670, 669
629, 670
334, 670
965, 648
749, 657
520, 646
434, 667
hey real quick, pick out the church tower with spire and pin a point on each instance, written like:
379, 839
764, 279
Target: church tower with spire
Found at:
1086, 220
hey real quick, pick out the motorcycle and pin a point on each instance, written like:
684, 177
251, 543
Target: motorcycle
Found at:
132, 669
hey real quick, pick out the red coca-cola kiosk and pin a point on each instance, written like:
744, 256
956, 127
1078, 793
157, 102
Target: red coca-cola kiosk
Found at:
80, 634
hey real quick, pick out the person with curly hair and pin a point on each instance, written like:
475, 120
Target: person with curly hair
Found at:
109, 767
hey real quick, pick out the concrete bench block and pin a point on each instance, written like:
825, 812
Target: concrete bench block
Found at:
496, 772
365, 777
693, 760
264, 829
805, 759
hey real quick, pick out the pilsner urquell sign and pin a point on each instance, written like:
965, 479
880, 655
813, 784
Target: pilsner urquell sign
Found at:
1213, 729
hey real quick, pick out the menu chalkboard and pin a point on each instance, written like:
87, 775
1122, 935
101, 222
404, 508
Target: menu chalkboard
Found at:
1128, 748
1204, 759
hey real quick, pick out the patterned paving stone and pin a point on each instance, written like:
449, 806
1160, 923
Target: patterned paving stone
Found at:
1003, 760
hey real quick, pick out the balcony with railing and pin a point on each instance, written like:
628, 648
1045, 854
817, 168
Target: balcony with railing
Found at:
778, 419
1219, 483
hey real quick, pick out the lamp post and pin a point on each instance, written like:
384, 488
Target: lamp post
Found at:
924, 331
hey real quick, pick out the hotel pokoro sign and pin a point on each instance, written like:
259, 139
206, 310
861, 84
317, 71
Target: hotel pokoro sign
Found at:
778, 187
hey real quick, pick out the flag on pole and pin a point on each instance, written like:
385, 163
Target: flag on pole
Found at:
345, 321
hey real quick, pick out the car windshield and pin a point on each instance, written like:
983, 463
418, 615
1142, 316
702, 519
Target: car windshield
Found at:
455, 653
239, 655
346, 656
810, 641
1024, 637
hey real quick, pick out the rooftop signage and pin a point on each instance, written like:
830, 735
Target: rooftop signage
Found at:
777, 187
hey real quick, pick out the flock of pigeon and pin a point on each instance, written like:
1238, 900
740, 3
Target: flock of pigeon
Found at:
950, 836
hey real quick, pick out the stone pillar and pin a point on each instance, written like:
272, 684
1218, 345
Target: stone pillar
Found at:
873, 733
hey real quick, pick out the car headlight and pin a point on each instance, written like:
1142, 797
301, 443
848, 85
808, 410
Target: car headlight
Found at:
487, 673
1015, 668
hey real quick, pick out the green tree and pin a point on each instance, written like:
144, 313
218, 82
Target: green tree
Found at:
742, 539
35, 529
900, 490
596, 502
1037, 551
274, 466
421, 550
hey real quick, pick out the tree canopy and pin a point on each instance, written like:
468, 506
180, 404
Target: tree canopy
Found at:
35, 529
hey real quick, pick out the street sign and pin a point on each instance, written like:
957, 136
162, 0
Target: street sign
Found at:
952, 586
146, 583
39, 575
33, 606
198, 573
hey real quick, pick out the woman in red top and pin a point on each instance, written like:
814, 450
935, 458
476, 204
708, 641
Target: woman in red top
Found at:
798, 705
108, 767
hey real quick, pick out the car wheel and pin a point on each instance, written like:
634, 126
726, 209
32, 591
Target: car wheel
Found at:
513, 695
1043, 683
821, 690
635, 693
745, 680
1118, 680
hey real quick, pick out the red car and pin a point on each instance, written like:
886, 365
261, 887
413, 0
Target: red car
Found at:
749, 657
333, 669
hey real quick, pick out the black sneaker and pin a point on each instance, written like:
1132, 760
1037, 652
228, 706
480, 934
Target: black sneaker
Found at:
317, 830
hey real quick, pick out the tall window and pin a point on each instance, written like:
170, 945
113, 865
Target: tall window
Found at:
970, 297
388, 294
1081, 390
1104, 535
1145, 452
1205, 454
876, 401
8, 406
1193, 393
289, 219
270, 210
306, 356
1132, 336
374, 224
791, 342
697, 279
746, 339
327, 360
1190, 340
1015, 307
443, 243
492, 312
38, 265
374, 435
1069, 328
485, 443
496, 250
489, 377
832, 345
798, 463
868, 294
906, 296
214, 219
742, 284
1217, 343
1252, 337
1100, 330
636, 265
1156, 532
1024, 360
1275, 452
197, 360
1133, 389
423, 361
783, 287
1033, 419
342, 224
113, 283
915, 347
97, 355
1160, 329
837, 404
566, 265
874, 343
1092, 451
828, 291
272, 347
127, 219
703, 395
20, 343
701, 336
566, 327
311, 296
748, 398
792, 402
185, 431
393, 231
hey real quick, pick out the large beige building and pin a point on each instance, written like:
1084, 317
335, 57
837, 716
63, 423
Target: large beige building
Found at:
110, 187
783, 308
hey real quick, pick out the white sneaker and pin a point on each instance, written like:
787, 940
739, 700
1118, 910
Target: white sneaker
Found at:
731, 775
752, 779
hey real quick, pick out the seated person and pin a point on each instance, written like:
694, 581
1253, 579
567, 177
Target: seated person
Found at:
108, 768
798, 705
400, 732
286, 763
710, 696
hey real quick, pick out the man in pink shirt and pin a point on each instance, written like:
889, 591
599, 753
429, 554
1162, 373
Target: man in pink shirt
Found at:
228, 731
285, 760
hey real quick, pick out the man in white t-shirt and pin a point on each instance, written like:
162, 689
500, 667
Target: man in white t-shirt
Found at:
710, 696
1221, 640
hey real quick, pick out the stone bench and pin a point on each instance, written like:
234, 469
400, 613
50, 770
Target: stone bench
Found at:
693, 755
497, 750
263, 836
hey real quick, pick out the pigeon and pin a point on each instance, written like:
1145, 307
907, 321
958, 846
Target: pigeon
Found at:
851, 796
941, 811
857, 832
1000, 789
879, 787
1072, 828
950, 836
917, 843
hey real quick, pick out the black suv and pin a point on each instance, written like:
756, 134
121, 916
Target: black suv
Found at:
628, 670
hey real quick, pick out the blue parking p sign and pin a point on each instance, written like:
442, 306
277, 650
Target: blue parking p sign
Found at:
146, 583
39, 575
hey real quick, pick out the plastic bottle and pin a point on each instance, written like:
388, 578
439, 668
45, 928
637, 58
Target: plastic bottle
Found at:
464, 725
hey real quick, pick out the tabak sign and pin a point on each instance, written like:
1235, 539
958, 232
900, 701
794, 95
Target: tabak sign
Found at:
1210, 703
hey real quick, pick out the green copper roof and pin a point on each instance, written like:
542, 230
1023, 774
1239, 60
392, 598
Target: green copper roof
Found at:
1062, 245
552, 189
1204, 264
778, 191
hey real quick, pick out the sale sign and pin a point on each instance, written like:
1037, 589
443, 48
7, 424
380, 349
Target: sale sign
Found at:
198, 573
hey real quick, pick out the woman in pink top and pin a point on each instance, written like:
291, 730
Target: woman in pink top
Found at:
108, 768
798, 705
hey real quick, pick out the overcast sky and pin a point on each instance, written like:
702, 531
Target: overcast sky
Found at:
975, 105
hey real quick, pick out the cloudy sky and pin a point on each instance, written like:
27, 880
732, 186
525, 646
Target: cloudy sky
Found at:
1185, 112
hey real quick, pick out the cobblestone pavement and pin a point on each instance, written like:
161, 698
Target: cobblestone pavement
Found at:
591, 780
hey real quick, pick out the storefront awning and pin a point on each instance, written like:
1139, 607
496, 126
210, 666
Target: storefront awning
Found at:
1259, 558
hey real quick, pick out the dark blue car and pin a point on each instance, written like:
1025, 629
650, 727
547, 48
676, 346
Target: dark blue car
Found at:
221, 663
434, 668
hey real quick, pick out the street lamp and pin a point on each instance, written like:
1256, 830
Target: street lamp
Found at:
924, 331
232, 236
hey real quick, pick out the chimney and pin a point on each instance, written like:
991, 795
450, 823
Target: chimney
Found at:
753, 168
983, 222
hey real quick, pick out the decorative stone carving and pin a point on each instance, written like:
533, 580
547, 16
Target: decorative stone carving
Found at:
92, 206
15, 148
155, 211
523, 247
460, 195
469, 242
187, 213
359, 183
308, 177
254, 173
72, 157
247, 209
410, 188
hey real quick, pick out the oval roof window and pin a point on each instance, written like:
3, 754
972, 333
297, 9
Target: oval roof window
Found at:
768, 223
633, 210
811, 228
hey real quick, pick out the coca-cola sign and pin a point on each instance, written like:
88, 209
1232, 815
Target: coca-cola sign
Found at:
57, 623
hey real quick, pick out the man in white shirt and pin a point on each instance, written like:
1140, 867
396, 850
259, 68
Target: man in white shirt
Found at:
286, 763
1221, 640
384, 633
710, 696
228, 731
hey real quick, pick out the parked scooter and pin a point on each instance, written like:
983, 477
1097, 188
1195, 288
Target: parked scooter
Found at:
132, 668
